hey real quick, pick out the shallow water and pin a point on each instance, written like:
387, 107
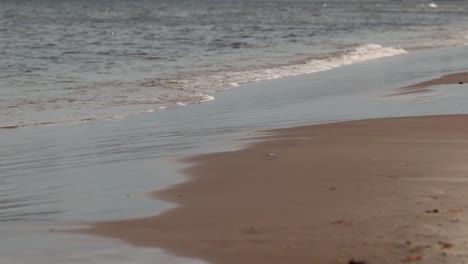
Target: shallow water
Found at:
53, 176
43, 248
80, 61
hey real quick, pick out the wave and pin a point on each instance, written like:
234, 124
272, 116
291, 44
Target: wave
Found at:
359, 54
227, 80
197, 89
161, 94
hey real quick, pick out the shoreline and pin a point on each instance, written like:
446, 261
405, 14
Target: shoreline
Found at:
458, 78
393, 207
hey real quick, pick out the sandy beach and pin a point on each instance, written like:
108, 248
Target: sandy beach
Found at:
372, 191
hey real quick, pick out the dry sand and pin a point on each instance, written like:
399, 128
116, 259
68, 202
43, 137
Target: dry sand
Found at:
423, 87
373, 191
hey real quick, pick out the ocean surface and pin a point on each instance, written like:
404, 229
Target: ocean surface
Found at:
79, 61
101, 98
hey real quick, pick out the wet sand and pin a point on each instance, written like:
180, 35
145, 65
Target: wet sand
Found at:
424, 87
372, 191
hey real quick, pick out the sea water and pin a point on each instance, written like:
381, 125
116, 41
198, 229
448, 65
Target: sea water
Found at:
81, 61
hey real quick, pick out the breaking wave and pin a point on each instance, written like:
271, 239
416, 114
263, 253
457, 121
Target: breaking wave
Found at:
227, 80
146, 96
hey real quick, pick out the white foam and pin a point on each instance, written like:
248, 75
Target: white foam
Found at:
227, 80
206, 98
432, 5
116, 117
